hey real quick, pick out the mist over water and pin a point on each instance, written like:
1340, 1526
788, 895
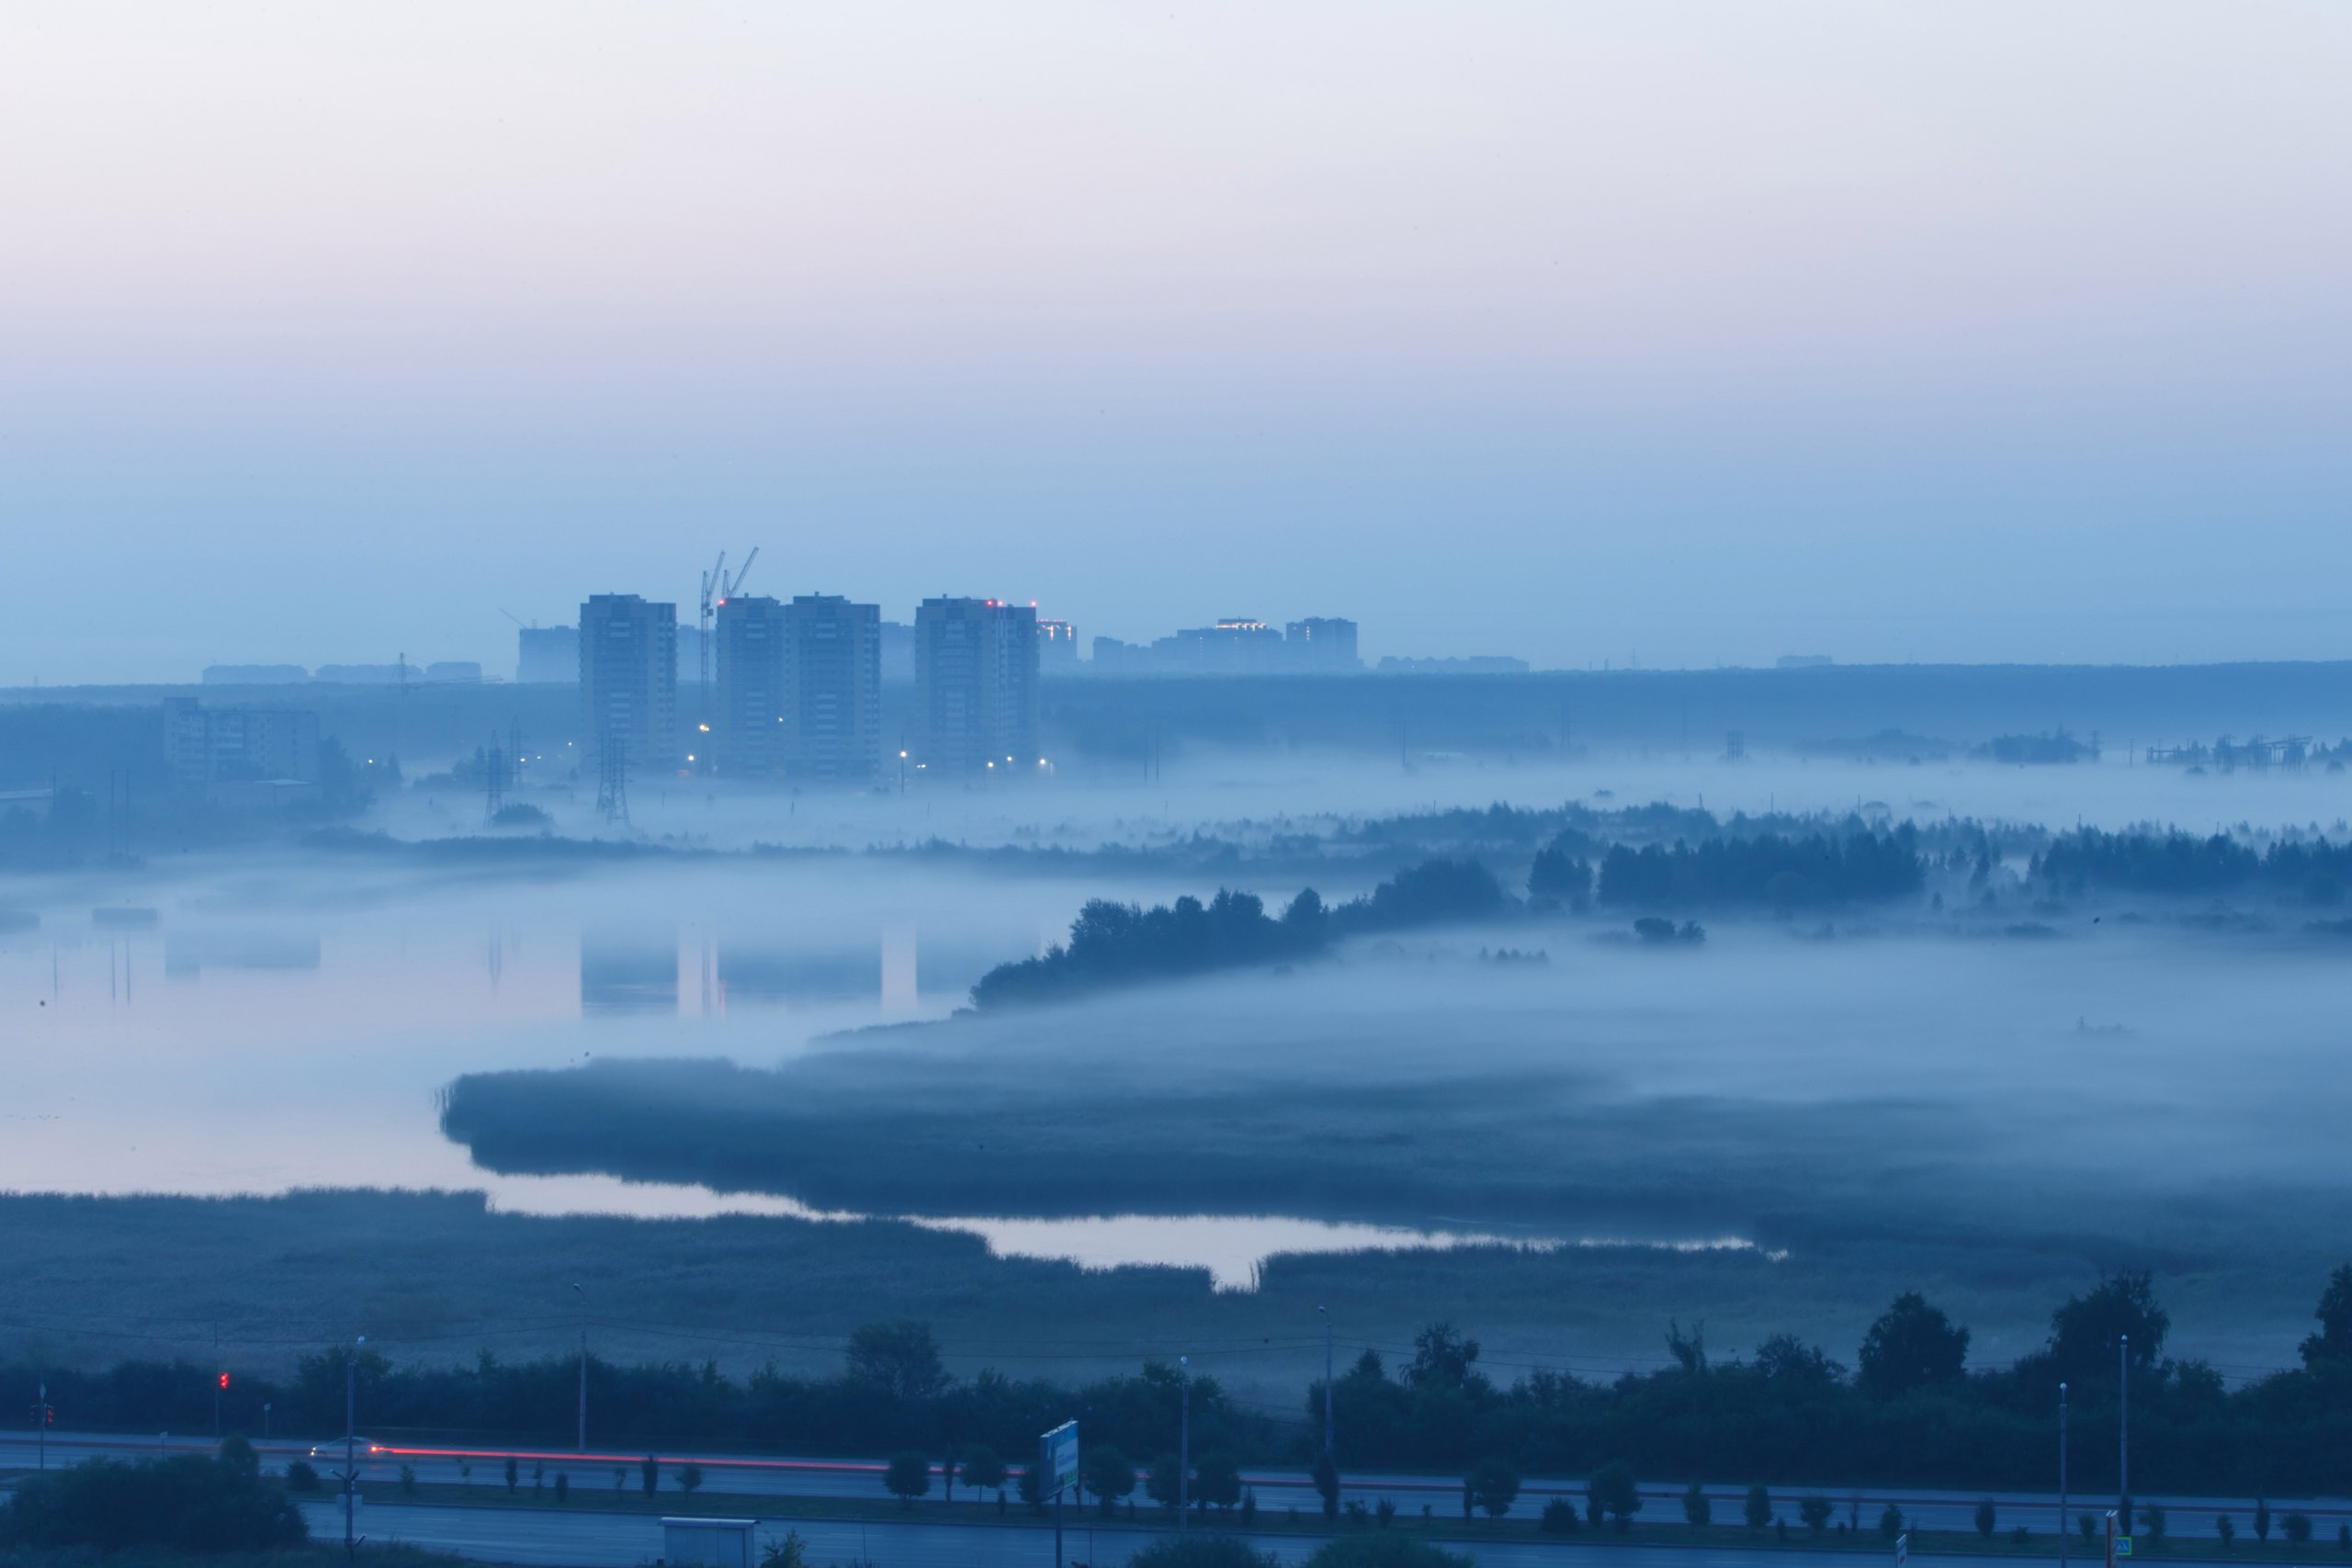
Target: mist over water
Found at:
2106, 1086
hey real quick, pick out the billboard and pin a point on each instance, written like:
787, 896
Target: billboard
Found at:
1057, 1459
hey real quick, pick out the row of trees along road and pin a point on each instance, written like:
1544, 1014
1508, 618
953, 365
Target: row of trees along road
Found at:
1910, 1410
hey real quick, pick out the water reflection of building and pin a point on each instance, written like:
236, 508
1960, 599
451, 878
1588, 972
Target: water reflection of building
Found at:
781, 976
628, 972
187, 953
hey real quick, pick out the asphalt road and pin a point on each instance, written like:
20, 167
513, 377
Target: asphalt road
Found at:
582, 1540
862, 1478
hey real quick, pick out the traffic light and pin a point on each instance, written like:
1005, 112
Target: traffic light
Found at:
224, 1379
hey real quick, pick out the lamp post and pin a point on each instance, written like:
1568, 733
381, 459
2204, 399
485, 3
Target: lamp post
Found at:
351, 1441
583, 1364
1327, 1380
2123, 1429
1184, 1446
41, 1421
2062, 1476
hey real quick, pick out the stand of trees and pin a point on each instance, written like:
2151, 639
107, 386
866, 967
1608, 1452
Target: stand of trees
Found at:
1118, 945
1767, 871
2180, 864
190, 1503
1909, 1413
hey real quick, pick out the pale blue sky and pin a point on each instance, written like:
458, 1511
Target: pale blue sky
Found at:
1704, 331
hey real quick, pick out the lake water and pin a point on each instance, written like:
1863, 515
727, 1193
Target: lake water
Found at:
290, 1021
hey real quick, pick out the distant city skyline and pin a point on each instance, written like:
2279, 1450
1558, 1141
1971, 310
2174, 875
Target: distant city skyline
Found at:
1695, 332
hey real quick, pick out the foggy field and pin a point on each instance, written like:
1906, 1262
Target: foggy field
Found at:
729, 1086
436, 1278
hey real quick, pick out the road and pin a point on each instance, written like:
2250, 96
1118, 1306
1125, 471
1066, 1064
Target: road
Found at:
531, 1535
736, 1475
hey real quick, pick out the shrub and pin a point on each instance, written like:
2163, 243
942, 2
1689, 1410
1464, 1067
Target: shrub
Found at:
1559, 1517
562, 1487
192, 1502
2297, 1527
908, 1477
648, 1473
300, 1476
2224, 1526
1202, 1552
1107, 1474
1889, 1522
1494, 1483
1985, 1518
2019, 1536
689, 1477
408, 1481
1216, 1480
1612, 1492
514, 1475
983, 1471
1815, 1512
1696, 1509
2261, 1519
2152, 1525
1384, 1513
1374, 1549
1758, 1511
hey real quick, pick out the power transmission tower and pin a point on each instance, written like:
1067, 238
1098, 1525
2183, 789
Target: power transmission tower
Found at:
612, 779
494, 763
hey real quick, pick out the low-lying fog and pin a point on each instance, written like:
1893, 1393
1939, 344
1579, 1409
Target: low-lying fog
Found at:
1212, 789
690, 1035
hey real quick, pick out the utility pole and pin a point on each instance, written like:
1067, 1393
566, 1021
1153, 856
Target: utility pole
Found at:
2123, 1429
43, 1414
351, 1441
583, 1365
2062, 1476
1327, 1382
1184, 1446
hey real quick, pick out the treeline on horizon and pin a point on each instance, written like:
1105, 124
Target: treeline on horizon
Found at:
1115, 944
2175, 862
1910, 1412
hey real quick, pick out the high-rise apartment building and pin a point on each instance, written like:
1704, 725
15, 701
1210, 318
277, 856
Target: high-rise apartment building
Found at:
832, 690
548, 654
749, 721
628, 683
976, 686
1056, 648
1321, 644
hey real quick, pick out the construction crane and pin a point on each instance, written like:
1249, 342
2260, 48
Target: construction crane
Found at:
717, 588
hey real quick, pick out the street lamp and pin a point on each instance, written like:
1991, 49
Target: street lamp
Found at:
351, 1441
583, 1364
2124, 1431
2062, 1476
1327, 1380
1184, 1446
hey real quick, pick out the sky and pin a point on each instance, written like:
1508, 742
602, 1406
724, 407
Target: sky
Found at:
1671, 333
